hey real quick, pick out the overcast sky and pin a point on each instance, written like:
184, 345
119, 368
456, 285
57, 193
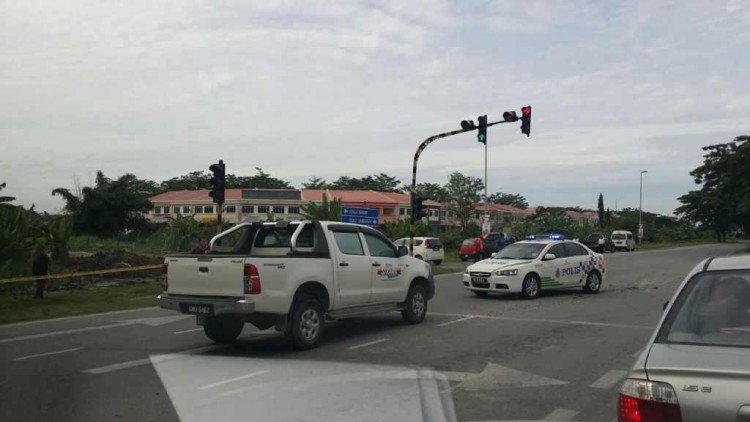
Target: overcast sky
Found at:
302, 88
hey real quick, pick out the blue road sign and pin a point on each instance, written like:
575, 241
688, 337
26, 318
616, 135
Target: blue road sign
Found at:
364, 216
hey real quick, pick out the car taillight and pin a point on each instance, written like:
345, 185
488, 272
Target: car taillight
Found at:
251, 280
642, 400
164, 279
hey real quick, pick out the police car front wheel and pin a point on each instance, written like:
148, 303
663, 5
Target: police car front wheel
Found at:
530, 287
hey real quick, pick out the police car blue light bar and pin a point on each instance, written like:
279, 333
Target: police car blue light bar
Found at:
551, 236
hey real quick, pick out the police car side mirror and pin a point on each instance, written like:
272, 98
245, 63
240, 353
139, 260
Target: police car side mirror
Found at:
493, 255
549, 257
664, 306
403, 250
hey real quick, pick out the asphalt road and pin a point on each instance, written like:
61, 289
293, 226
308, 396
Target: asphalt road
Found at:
559, 357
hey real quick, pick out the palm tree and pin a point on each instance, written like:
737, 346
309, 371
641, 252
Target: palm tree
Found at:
326, 210
4, 200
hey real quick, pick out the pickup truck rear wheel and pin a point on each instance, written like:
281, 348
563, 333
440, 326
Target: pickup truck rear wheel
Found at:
222, 329
416, 305
308, 323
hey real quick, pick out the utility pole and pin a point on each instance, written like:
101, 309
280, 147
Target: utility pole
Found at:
640, 210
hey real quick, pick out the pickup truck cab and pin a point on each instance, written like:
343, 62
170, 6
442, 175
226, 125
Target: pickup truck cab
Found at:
294, 276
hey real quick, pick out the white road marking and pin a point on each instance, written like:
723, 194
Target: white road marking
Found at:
456, 320
49, 353
230, 380
63, 332
610, 379
192, 330
561, 415
546, 321
46, 321
147, 361
494, 376
370, 343
152, 321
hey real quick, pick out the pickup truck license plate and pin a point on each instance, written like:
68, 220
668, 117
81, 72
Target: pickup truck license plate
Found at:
197, 309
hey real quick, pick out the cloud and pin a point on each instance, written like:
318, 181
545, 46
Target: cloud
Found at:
351, 88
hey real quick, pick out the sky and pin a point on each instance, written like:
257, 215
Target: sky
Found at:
332, 88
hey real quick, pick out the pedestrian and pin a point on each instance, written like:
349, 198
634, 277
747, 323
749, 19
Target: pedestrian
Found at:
40, 267
500, 242
202, 247
478, 247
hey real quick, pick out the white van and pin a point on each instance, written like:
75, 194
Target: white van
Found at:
623, 240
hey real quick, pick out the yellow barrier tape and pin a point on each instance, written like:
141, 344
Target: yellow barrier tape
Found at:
78, 274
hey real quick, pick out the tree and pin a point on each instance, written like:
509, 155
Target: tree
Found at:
512, 199
723, 201
400, 228
107, 208
59, 229
4, 200
431, 191
600, 207
326, 210
463, 193
315, 183
195, 180
378, 182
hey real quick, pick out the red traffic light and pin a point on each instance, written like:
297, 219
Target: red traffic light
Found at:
510, 116
526, 111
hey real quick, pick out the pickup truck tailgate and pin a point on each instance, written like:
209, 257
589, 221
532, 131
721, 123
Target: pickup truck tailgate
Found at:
205, 276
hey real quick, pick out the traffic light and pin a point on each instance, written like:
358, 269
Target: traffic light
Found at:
417, 208
467, 125
218, 182
510, 116
482, 135
526, 120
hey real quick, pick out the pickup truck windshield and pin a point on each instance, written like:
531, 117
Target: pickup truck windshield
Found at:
521, 251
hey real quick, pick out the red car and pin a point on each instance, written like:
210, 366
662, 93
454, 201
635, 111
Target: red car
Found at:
471, 249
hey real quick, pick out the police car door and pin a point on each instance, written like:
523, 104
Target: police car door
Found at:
552, 270
578, 259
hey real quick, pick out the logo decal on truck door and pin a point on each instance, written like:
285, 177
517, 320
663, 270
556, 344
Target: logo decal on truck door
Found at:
389, 272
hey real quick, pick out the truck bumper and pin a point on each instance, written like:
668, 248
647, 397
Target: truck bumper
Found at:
219, 306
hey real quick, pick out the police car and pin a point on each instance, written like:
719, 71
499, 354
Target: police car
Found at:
541, 262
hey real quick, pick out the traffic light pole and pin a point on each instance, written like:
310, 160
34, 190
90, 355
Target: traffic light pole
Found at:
422, 146
219, 211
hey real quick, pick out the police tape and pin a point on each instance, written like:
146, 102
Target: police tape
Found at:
79, 274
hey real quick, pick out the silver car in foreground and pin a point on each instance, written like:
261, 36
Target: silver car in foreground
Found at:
696, 367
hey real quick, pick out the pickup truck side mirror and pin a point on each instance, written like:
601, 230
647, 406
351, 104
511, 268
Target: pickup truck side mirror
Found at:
549, 257
403, 250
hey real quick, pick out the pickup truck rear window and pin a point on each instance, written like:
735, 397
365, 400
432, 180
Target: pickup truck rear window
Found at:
272, 237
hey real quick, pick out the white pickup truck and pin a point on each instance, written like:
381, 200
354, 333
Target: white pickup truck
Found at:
295, 276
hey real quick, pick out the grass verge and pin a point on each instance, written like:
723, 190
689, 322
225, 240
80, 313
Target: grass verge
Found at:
16, 307
437, 270
663, 245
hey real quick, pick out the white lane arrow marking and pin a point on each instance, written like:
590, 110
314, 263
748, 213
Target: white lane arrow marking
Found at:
494, 376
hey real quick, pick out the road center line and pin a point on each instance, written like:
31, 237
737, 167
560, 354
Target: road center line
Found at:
63, 332
49, 353
609, 380
370, 343
561, 415
147, 361
192, 330
230, 380
546, 321
455, 321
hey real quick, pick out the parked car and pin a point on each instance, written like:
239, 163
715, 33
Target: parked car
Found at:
623, 240
490, 243
696, 367
468, 249
425, 248
599, 242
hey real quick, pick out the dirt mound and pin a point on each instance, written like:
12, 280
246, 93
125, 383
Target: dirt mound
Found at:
113, 258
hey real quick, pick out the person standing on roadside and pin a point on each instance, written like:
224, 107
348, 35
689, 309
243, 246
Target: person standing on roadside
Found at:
40, 267
202, 247
500, 242
478, 247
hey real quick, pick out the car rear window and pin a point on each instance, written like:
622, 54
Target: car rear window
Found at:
272, 237
713, 309
434, 242
467, 242
618, 236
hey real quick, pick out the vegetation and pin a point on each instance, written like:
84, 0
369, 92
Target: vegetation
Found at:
379, 182
326, 210
463, 193
722, 204
400, 228
21, 307
5, 200
512, 199
196, 180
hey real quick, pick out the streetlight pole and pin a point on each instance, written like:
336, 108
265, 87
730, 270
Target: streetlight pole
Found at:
640, 210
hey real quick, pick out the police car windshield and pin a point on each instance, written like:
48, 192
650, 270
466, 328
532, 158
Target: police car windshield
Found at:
521, 251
